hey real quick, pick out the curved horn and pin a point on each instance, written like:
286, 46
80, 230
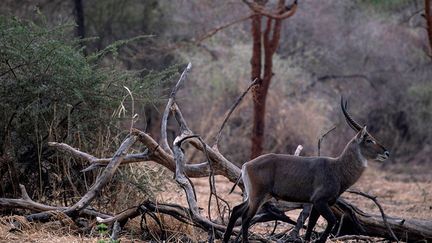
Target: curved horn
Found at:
353, 124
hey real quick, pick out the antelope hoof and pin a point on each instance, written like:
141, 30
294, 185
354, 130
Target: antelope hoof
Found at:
293, 236
320, 240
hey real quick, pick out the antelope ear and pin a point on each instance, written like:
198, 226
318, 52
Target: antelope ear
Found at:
361, 135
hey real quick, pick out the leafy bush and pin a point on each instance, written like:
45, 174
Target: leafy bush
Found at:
50, 91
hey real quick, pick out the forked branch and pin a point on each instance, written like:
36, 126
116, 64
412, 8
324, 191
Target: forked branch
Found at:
164, 137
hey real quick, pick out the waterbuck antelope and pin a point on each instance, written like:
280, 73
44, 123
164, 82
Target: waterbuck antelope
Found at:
316, 180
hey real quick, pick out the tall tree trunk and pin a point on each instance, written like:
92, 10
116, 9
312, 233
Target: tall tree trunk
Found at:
79, 17
257, 91
269, 44
428, 17
263, 48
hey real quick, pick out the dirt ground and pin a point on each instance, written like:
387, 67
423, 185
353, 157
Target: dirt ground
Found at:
402, 192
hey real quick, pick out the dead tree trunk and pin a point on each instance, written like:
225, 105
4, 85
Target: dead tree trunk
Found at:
263, 47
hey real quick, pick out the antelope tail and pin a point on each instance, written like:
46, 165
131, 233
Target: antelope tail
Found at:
236, 183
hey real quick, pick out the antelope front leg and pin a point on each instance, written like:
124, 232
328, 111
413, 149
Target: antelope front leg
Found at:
313, 218
322, 207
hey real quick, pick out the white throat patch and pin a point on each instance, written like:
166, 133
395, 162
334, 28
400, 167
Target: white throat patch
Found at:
362, 158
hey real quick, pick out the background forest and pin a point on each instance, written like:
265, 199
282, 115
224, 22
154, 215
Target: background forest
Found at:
68, 70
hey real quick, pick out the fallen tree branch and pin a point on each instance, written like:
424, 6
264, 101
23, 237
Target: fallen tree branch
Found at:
104, 178
25, 202
357, 222
122, 217
354, 237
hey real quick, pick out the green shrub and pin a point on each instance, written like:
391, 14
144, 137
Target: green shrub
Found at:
50, 91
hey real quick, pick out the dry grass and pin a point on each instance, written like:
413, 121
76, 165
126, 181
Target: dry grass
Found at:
401, 192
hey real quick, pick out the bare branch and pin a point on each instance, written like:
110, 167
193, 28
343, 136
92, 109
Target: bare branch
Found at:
25, 202
97, 162
158, 155
187, 187
322, 137
236, 103
285, 13
219, 28
121, 217
373, 198
164, 139
105, 177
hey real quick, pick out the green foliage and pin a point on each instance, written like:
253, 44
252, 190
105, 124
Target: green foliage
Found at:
50, 91
102, 229
103, 232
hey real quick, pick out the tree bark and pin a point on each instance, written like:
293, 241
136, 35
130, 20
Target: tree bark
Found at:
79, 15
428, 17
259, 107
264, 47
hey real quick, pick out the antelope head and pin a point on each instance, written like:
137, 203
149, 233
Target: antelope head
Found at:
369, 147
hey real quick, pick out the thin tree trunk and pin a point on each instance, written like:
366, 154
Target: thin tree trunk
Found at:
428, 17
269, 44
79, 16
257, 91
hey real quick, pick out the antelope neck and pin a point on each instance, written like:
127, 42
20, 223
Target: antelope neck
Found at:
350, 164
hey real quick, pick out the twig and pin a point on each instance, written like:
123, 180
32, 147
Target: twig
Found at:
145, 211
274, 227
384, 217
322, 137
348, 76
134, 116
340, 225
219, 28
11, 69
236, 103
